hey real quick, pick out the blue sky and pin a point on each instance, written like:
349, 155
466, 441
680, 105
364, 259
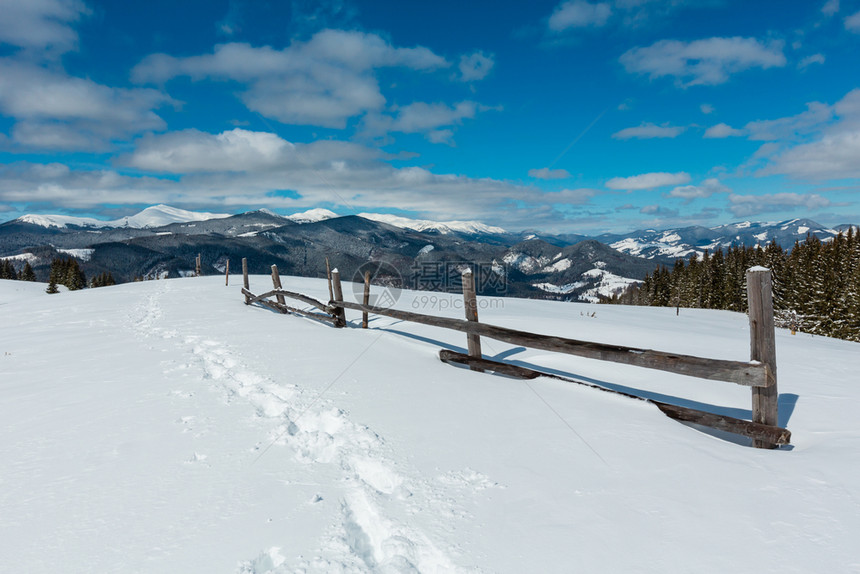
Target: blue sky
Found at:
572, 116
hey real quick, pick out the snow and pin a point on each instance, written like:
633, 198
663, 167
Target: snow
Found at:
559, 289
802, 229
558, 266
81, 254
426, 249
154, 216
525, 263
312, 215
164, 426
21, 257
443, 227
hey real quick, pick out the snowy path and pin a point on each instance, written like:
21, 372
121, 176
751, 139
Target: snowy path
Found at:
376, 498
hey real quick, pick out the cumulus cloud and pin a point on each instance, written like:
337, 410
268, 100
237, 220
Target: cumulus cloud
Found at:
57, 111
649, 131
248, 169
789, 128
722, 130
41, 24
749, 205
822, 143
547, 173
710, 61
707, 109
705, 189
475, 66
830, 7
852, 23
579, 14
434, 120
648, 181
324, 81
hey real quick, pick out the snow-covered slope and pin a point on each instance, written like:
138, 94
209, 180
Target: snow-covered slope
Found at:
424, 225
164, 426
154, 216
312, 215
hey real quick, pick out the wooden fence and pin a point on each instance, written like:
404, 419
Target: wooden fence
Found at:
759, 373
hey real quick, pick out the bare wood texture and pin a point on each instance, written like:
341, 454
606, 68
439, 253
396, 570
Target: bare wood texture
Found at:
337, 301
227, 274
328, 277
763, 347
742, 373
366, 299
757, 431
303, 298
261, 299
276, 282
245, 282
470, 304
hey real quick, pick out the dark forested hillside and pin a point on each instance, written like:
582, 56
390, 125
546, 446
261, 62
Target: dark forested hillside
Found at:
816, 284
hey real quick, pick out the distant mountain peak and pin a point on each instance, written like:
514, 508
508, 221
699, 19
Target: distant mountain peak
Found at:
153, 216
312, 215
425, 225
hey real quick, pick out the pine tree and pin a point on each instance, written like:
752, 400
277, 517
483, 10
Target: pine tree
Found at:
27, 274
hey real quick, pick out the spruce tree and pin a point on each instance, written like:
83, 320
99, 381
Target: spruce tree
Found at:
27, 274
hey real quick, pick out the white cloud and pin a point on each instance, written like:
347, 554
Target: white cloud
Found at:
649, 131
852, 22
809, 60
749, 205
815, 116
659, 210
705, 189
475, 66
722, 130
579, 14
40, 24
820, 144
710, 61
63, 112
547, 173
830, 7
707, 109
433, 120
250, 169
648, 181
324, 81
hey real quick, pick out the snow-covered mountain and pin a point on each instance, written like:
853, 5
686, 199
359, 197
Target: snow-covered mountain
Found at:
164, 426
682, 242
312, 215
154, 216
427, 226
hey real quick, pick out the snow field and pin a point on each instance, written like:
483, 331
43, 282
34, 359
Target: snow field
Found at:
165, 426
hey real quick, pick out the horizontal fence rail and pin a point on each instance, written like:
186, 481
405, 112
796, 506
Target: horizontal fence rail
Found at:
743, 373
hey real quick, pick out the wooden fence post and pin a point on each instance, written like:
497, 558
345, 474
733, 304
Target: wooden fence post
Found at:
339, 312
197, 266
245, 279
328, 276
276, 281
366, 300
763, 348
470, 303
227, 274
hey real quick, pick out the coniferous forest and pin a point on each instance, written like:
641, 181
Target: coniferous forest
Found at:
816, 285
